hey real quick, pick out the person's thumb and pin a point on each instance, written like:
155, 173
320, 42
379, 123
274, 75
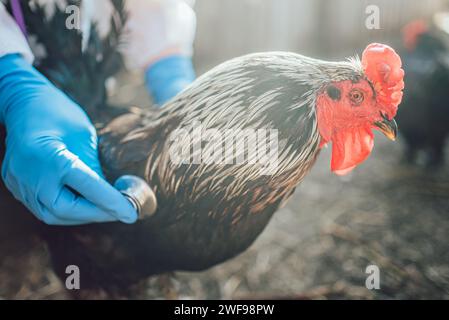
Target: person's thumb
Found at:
94, 188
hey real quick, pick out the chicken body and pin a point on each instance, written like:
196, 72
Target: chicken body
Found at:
425, 116
207, 213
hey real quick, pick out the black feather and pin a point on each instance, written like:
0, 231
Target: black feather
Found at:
80, 74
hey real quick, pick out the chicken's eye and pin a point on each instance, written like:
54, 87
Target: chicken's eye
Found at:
356, 96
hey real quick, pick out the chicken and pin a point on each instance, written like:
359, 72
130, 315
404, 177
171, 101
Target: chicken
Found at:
85, 80
210, 212
209, 209
424, 118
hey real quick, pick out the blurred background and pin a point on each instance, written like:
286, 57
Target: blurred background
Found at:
389, 212
318, 28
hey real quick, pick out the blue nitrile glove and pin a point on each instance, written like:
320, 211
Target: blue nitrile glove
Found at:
168, 76
51, 163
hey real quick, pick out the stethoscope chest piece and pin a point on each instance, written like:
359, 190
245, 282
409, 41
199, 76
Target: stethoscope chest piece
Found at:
139, 193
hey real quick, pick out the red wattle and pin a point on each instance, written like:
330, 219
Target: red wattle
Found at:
350, 147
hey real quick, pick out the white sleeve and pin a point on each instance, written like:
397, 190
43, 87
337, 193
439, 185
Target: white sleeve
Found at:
11, 38
157, 28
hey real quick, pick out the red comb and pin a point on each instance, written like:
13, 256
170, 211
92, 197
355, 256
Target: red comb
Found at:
412, 31
382, 66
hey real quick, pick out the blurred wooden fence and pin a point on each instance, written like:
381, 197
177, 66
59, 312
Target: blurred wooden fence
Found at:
325, 28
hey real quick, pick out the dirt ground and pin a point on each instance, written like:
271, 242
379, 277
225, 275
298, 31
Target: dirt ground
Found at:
318, 246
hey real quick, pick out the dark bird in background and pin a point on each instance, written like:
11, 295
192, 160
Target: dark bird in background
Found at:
81, 74
424, 119
209, 212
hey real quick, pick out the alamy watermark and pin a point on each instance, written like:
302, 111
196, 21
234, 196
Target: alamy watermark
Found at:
72, 282
373, 280
200, 145
372, 21
73, 20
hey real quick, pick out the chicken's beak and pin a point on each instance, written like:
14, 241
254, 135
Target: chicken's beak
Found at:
388, 127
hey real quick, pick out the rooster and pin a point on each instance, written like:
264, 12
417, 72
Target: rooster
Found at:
209, 211
424, 120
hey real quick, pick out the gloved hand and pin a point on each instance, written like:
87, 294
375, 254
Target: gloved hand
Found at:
51, 162
168, 76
